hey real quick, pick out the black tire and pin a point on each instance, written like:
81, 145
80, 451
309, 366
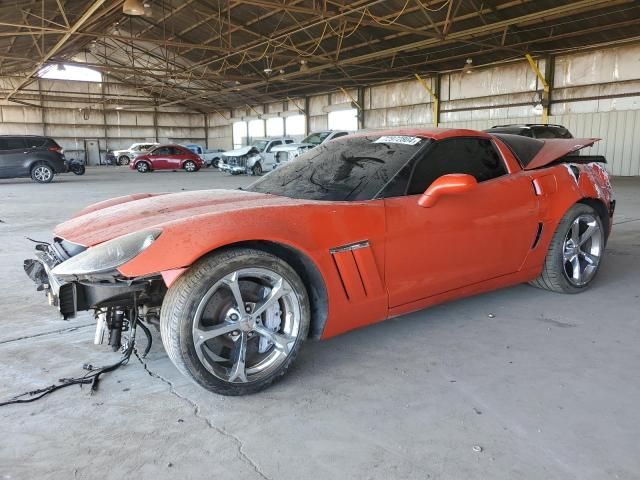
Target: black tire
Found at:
180, 304
143, 167
215, 163
190, 166
256, 169
79, 170
554, 276
42, 172
123, 160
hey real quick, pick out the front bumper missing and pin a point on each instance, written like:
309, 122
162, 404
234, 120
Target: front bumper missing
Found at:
71, 297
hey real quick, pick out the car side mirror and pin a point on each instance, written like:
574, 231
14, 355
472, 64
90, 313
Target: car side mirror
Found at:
451, 184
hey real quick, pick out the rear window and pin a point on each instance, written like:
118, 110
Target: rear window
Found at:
551, 132
523, 148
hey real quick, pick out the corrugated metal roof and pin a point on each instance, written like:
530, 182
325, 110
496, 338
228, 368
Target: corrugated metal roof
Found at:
211, 55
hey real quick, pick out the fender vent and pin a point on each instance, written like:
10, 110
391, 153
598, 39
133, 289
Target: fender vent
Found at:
538, 235
357, 270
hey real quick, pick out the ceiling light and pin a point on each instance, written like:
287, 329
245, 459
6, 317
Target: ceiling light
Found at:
118, 107
133, 7
268, 71
468, 66
303, 66
282, 71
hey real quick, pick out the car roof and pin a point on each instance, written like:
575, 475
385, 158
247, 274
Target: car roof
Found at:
432, 133
529, 125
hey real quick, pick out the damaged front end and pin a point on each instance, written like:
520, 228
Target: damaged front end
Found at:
76, 278
239, 161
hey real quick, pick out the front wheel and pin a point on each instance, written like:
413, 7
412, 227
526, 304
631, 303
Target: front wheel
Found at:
235, 321
123, 160
142, 167
575, 252
256, 169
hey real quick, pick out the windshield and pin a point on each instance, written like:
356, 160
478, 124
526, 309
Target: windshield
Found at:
353, 168
316, 138
260, 144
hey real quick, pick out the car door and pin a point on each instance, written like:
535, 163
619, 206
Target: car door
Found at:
268, 156
160, 158
177, 156
464, 238
14, 153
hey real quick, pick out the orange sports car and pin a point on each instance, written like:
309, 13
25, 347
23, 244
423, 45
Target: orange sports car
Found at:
353, 232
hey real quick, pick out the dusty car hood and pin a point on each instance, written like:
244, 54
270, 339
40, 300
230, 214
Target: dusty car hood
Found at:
139, 212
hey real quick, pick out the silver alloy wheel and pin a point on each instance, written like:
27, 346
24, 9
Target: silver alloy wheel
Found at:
246, 325
142, 167
123, 160
190, 166
582, 249
42, 173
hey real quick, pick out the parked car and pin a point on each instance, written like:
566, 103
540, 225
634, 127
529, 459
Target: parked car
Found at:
167, 157
125, 156
242, 160
533, 130
265, 147
355, 231
284, 153
40, 158
210, 157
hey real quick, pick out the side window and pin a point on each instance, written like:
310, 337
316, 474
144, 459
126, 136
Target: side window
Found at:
472, 156
340, 134
162, 151
288, 141
274, 143
15, 143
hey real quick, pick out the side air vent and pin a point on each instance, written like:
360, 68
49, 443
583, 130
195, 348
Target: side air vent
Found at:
537, 238
357, 270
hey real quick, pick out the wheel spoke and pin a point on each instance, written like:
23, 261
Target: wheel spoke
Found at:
575, 264
276, 292
238, 370
575, 232
283, 343
203, 335
589, 258
568, 255
232, 283
588, 233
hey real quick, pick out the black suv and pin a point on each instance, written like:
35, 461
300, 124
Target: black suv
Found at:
533, 130
31, 156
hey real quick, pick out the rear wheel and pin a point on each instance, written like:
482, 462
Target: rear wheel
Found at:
190, 166
235, 321
143, 167
575, 252
42, 173
123, 160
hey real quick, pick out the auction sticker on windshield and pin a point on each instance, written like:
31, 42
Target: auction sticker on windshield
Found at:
403, 139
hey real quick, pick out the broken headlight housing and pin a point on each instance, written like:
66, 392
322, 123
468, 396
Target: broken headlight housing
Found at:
107, 256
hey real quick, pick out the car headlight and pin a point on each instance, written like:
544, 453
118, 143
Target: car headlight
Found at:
107, 256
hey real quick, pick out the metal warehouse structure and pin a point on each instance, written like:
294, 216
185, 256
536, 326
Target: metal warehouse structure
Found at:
190, 70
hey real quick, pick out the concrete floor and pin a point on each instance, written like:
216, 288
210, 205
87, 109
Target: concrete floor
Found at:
548, 388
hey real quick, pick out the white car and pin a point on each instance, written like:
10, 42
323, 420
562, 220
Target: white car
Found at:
124, 157
284, 153
255, 158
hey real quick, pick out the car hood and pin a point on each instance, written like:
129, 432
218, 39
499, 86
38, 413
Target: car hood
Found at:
113, 218
241, 151
292, 147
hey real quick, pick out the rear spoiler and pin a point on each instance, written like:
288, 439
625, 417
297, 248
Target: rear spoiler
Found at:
558, 149
582, 159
